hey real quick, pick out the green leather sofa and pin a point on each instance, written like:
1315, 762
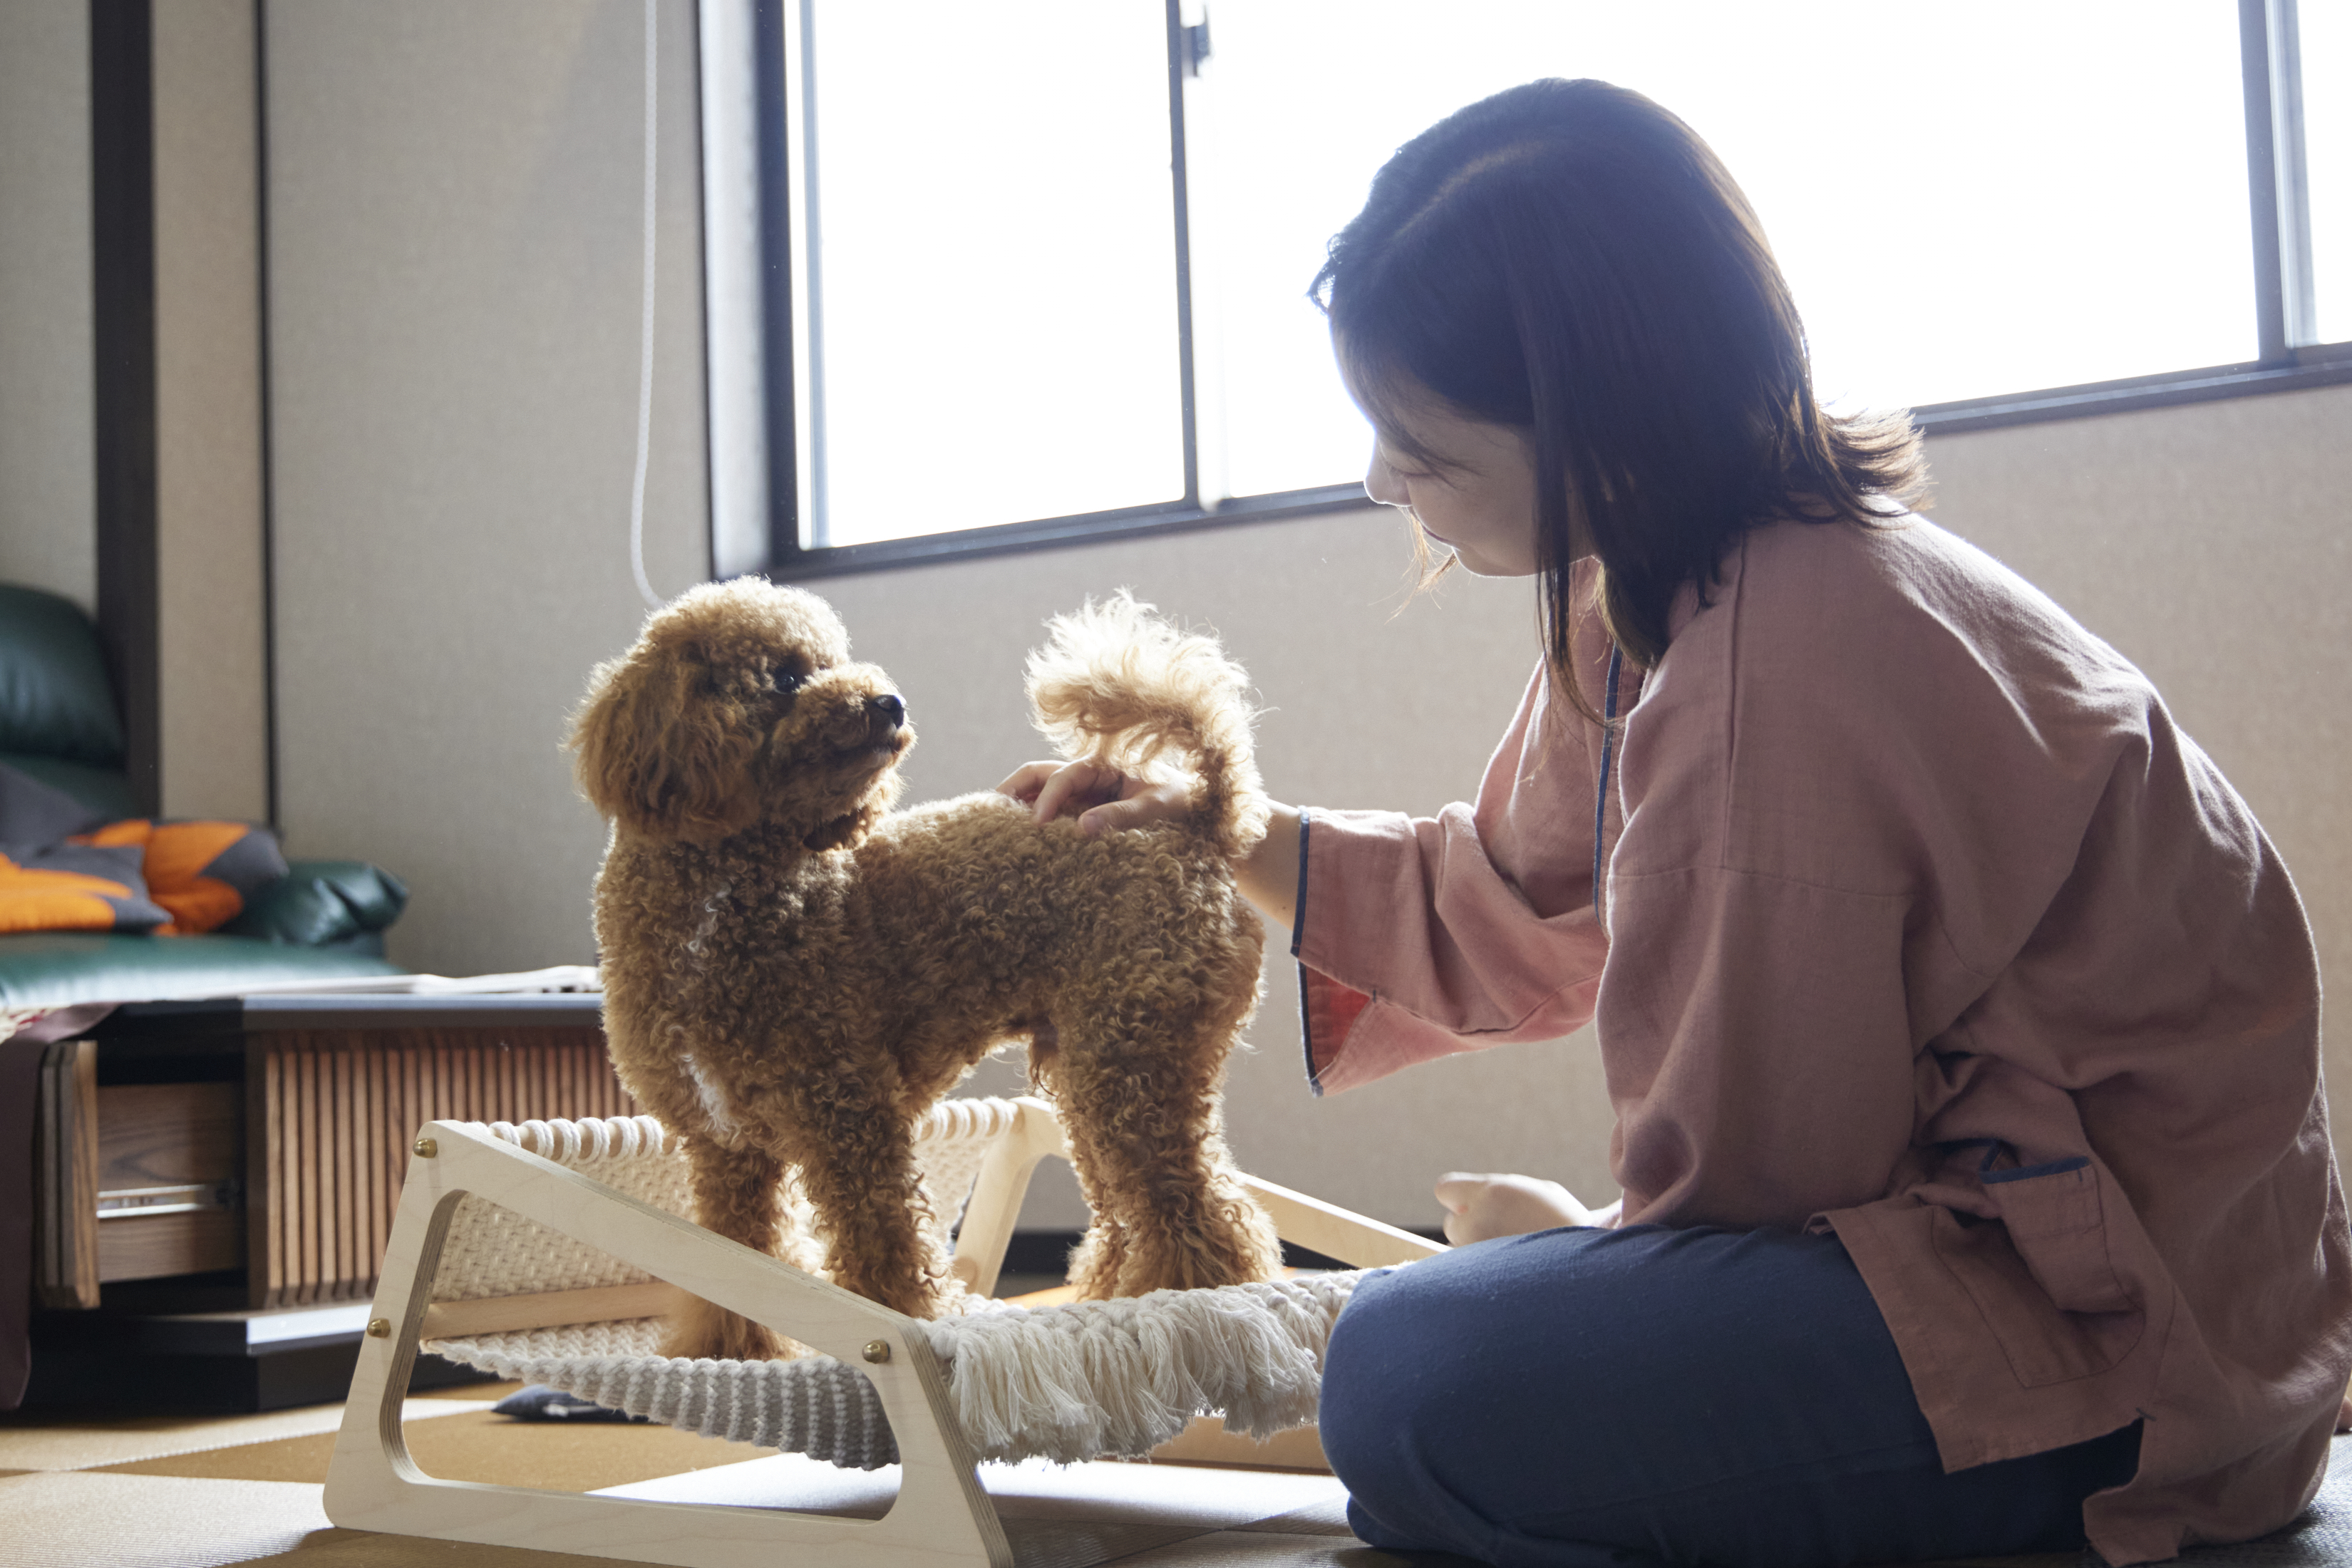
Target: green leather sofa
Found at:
59, 724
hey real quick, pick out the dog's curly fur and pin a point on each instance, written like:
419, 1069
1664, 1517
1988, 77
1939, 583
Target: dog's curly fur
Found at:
793, 972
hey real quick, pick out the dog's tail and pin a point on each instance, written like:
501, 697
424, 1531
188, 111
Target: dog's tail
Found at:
1117, 684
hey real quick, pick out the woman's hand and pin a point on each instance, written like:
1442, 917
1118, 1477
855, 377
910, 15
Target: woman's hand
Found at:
1105, 800
1101, 797
1481, 1207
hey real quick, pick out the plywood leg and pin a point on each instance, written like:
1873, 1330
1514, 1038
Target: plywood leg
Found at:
996, 1194
943, 1518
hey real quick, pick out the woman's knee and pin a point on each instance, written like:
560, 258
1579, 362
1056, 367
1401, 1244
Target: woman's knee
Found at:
1458, 1391
1370, 1395
1387, 1404
1428, 1382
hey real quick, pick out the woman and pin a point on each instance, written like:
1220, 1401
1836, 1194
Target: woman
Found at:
1961, 1025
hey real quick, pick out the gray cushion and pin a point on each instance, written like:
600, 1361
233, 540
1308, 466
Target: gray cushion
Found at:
32, 812
106, 791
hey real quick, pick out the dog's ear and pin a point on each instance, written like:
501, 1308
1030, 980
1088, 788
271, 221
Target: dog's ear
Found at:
662, 753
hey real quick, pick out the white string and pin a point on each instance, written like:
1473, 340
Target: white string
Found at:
645, 338
1067, 1384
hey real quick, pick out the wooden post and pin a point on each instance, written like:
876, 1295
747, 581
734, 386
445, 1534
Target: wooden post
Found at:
66, 1201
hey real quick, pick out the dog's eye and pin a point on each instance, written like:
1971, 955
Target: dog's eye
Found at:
786, 680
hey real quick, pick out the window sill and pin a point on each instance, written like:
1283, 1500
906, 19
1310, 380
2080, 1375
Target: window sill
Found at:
1093, 528
2326, 366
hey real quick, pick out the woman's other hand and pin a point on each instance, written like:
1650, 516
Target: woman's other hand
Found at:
1102, 798
1481, 1207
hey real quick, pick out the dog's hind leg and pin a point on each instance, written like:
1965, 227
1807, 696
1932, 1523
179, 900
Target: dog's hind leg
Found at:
1101, 1252
737, 1192
1145, 1132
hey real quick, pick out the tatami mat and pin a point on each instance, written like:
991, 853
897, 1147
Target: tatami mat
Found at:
359, 1548
193, 1492
1326, 1516
1075, 1516
1220, 1549
41, 1440
1193, 1497
79, 1519
1257, 1549
477, 1446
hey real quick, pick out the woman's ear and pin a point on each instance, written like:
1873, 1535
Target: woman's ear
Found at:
663, 753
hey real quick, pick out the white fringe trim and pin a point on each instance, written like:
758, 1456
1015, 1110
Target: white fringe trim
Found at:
1092, 1380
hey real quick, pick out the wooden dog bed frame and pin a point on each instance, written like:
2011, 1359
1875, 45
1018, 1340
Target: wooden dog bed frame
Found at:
942, 1517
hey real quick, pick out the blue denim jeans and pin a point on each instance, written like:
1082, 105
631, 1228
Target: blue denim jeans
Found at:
1635, 1398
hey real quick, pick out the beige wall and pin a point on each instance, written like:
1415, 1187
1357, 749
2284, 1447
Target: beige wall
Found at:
215, 758
208, 499
454, 198
48, 530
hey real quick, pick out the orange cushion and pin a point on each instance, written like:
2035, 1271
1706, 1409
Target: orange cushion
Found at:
201, 872
75, 887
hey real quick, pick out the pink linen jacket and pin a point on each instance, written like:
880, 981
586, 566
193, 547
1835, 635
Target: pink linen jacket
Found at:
1922, 923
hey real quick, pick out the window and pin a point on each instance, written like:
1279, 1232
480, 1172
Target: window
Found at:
2323, 77
1037, 271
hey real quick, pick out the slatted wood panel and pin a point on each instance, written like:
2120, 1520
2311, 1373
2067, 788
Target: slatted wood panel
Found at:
330, 1116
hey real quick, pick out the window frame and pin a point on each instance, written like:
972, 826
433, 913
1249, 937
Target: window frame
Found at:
760, 529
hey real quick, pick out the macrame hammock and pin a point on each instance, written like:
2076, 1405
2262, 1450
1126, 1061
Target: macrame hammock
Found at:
1096, 1379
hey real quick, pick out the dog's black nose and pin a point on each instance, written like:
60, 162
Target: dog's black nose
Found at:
892, 709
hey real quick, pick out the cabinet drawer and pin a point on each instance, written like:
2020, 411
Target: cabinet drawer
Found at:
269, 1137
169, 1161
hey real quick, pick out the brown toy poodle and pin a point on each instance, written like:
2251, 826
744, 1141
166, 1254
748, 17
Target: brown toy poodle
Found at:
793, 972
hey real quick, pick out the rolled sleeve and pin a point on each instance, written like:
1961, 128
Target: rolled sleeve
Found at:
1413, 944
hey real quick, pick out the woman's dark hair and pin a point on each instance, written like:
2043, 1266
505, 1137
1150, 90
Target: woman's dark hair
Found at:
1568, 258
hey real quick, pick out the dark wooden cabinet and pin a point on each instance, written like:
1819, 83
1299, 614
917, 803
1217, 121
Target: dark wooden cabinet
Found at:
252, 1151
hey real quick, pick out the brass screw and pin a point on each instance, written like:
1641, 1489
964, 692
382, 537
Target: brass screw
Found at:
379, 1328
877, 1351
426, 1148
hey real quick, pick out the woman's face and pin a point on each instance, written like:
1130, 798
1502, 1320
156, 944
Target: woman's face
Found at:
1480, 503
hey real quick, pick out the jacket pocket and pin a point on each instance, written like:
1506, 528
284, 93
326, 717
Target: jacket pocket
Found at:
2056, 1217
2041, 1276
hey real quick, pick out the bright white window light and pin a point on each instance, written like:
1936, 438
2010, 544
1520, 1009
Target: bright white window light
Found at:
2326, 36
995, 281
1968, 199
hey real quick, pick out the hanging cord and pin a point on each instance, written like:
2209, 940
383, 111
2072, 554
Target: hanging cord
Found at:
1608, 754
646, 336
